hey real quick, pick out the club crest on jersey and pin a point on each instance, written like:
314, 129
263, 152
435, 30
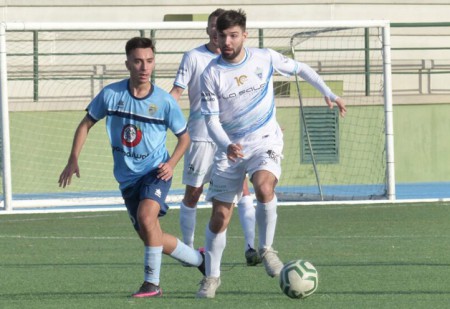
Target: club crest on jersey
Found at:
131, 135
152, 109
259, 72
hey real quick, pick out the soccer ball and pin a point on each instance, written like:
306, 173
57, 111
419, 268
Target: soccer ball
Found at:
299, 279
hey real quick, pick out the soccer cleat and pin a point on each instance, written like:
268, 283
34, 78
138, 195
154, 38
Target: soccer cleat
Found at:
201, 267
252, 257
271, 261
208, 287
148, 290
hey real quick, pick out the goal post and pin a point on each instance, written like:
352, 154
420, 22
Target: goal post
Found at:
356, 62
51, 71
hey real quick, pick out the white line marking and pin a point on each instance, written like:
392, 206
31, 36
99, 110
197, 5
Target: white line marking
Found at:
68, 237
56, 218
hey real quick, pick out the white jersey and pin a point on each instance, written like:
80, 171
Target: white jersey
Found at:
188, 76
242, 94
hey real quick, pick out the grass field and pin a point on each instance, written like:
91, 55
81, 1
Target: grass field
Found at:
367, 256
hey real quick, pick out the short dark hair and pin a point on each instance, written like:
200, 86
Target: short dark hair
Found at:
215, 13
138, 42
231, 18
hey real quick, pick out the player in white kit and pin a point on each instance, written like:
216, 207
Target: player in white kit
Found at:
239, 109
198, 160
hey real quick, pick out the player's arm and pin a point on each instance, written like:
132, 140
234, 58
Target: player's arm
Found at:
288, 66
220, 137
79, 139
176, 92
165, 170
309, 75
182, 77
210, 110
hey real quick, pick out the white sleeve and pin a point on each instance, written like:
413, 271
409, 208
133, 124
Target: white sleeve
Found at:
216, 132
287, 67
184, 72
211, 110
309, 75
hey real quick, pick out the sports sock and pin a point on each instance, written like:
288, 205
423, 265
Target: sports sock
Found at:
186, 254
187, 223
266, 217
152, 264
215, 244
247, 218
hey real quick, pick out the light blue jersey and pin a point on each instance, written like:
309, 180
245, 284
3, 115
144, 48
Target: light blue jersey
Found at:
137, 128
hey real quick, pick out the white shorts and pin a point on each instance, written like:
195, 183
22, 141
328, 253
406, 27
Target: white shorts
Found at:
227, 178
198, 162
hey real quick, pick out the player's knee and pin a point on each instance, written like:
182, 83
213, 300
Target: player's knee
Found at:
192, 196
147, 223
264, 192
147, 218
218, 224
219, 220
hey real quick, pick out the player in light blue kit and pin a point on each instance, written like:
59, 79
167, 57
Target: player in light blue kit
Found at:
239, 108
138, 115
198, 159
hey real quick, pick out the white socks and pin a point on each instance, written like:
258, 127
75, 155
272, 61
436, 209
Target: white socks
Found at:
266, 217
186, 254
215, 245
187, 223
152, 264
247, 219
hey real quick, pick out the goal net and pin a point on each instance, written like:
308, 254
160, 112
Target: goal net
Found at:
50, 72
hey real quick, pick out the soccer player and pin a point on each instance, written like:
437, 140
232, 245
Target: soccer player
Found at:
239, 108
138, 115
199, 158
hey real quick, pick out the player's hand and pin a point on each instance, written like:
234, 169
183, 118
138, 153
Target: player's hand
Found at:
234, 151
165, 171
340, 103
66, 176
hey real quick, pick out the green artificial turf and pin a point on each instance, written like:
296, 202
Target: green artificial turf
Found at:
367, 256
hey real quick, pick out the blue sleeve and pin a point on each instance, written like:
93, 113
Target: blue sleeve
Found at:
97, 108
175, 119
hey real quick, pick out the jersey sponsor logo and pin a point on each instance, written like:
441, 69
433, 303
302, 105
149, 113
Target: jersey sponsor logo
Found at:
139, 156
131, 135
245, 91
240, 80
